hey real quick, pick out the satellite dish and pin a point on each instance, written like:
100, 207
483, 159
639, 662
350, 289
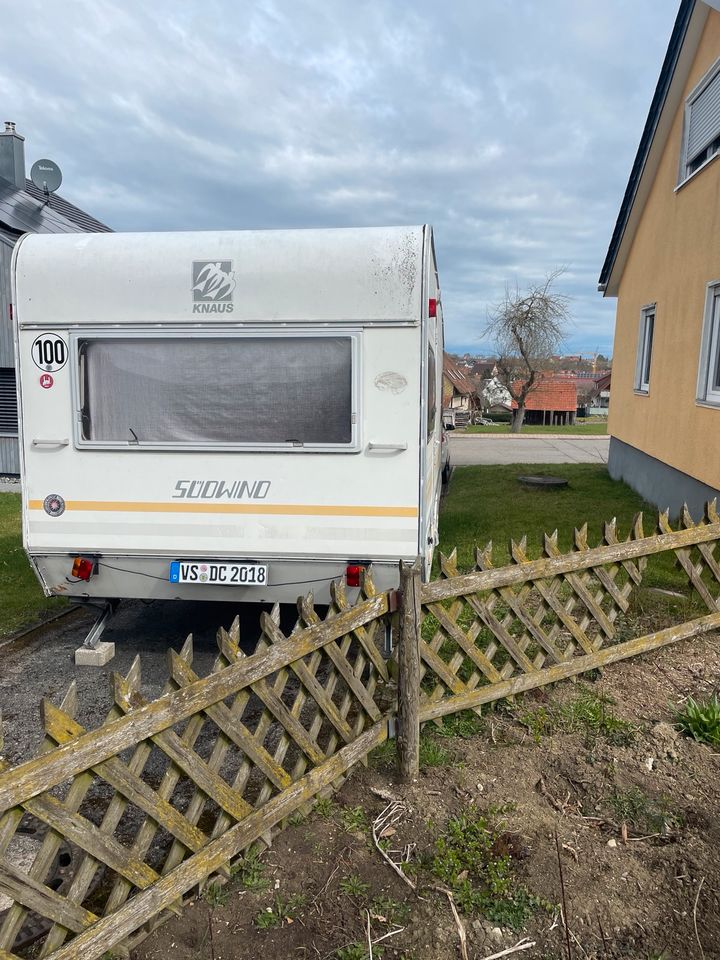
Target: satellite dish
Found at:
46, 175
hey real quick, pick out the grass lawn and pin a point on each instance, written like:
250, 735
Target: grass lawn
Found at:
598, 429
488, 503
22, 601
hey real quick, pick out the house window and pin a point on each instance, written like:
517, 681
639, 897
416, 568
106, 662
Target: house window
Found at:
701, 138
217, 391
8, 403
709, 375
644, 351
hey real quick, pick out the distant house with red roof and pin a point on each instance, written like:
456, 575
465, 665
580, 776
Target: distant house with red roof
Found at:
552, 401
459, 392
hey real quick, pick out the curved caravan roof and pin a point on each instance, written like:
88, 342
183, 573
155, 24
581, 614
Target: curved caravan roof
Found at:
353, 275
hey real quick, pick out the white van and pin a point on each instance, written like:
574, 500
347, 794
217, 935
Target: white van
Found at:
228, 416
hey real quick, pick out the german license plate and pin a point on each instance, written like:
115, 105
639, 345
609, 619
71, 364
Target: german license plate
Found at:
221, 573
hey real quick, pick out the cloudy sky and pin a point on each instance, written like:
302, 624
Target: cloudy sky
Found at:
510, 125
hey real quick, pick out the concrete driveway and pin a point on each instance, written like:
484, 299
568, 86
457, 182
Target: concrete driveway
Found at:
473, 449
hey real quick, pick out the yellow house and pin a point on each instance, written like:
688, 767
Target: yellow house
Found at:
663, 265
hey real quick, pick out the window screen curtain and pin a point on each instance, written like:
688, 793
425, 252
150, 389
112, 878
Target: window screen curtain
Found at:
704, 119
230, 390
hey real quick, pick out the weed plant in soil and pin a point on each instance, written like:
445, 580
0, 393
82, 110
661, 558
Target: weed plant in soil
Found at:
21, 599
325, 807
250, 872
359, 951
388, 910
283, 910
354, 819
590, 712
642, 813
464, 725
487, 503
700, 719
384, 756
354, 886
432, 752
216, 895
476, 858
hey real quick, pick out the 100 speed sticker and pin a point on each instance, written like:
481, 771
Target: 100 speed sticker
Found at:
49, 352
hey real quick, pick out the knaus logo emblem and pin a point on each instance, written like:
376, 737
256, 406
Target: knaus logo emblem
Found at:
213, 282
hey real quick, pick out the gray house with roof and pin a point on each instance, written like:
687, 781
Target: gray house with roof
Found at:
23, 209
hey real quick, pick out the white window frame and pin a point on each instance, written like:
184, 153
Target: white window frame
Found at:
94, 333
708, 392
643, 362
685, 173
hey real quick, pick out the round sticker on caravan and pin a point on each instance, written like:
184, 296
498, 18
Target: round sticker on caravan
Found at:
54, 505
49, 352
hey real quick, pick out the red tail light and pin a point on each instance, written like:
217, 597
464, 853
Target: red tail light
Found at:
353, 575
82, 568
432, 307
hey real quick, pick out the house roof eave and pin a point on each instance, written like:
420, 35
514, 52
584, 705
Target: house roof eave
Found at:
679, 57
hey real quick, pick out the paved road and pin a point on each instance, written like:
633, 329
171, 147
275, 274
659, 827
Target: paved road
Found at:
484, 449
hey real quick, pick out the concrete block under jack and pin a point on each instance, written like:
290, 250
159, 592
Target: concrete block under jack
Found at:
95, 656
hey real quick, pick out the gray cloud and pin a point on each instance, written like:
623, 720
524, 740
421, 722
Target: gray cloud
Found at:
510, 126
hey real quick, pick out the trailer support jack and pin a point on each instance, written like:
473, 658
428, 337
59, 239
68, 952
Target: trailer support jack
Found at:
96, 652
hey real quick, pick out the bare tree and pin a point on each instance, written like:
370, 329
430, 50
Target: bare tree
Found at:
527, 328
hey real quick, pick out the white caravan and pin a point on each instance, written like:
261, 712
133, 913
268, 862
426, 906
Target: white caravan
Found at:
228, 416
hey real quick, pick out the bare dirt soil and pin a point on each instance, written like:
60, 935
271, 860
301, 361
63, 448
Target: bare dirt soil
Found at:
590, 776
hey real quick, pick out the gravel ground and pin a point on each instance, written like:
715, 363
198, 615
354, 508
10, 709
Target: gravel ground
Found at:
43, 664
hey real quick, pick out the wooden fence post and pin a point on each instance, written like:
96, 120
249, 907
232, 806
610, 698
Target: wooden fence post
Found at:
408, 714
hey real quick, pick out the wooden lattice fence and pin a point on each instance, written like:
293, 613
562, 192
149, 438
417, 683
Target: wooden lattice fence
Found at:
493, 633
130, 818
167, 792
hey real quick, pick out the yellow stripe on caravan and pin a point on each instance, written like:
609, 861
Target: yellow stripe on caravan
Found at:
286, 509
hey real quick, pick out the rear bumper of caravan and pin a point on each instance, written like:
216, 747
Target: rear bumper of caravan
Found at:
148, 578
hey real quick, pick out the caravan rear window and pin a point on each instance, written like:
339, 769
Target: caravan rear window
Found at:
176, 391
